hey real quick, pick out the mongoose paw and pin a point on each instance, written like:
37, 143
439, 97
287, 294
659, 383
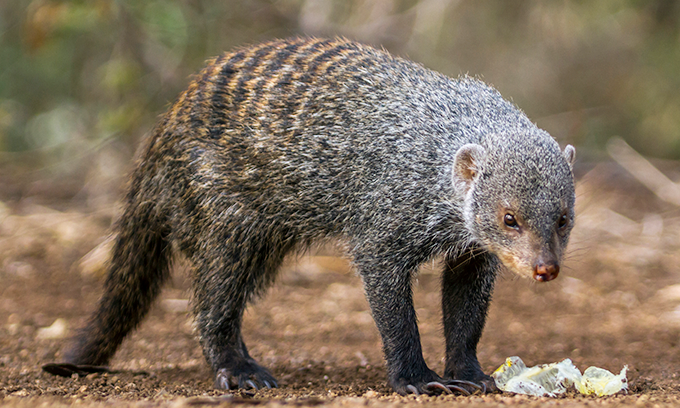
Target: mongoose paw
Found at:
485, 385
436, 385
246, 376
447, 387
430, 383
68, 369
457, 386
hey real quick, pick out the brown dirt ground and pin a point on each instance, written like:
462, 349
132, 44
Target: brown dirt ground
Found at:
614, 305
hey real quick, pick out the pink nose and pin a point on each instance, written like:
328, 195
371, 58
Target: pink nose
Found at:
546, 271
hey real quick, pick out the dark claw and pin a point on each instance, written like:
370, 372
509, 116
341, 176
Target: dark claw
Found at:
461, 390
266, 384
252, 385
469, 383
460, 386
222, 379
413, 389
436, 384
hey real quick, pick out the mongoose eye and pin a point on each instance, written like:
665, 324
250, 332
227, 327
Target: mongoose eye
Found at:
510, 221
563, 221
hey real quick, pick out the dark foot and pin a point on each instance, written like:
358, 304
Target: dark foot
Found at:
247, 374
430, 384
68, 369
457, 386
447, 387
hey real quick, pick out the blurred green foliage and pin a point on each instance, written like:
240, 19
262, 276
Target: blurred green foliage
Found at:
79, 75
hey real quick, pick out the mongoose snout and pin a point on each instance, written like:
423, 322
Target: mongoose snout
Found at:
547, 270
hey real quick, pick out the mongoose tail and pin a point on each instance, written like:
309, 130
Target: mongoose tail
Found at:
138, 267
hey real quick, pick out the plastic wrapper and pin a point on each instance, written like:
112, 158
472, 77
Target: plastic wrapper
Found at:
553, 379
601, 382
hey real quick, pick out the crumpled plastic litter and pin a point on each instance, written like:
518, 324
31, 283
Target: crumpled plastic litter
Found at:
554, 379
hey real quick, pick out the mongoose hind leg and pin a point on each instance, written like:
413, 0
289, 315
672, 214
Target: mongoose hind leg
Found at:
236, 265
467, 283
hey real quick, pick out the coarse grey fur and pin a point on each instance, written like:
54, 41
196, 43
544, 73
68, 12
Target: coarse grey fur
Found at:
280, 145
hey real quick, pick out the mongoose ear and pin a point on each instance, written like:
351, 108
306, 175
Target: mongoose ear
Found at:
467, 164
570, 155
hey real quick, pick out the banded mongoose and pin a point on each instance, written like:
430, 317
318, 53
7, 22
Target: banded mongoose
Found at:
275, 146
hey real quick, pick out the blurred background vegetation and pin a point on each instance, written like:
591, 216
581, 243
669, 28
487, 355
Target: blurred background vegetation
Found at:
81, 82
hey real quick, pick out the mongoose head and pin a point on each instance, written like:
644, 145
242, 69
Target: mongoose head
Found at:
518, 200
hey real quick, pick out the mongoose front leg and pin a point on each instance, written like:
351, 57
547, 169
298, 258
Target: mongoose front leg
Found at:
390, 298
467, 284
388, 289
